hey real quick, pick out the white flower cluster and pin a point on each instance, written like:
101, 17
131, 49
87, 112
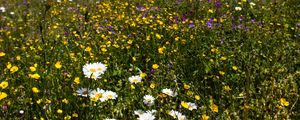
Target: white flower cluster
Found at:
135, 79
148, 100
98, 94
191, 106
94, 70
169, 92
145, 115
175, 114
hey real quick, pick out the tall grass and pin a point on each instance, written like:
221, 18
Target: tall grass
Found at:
233, 59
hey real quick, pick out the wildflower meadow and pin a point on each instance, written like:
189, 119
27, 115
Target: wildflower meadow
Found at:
149, 59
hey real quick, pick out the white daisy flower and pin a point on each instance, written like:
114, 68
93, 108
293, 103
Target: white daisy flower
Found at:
110, 95
238, 8
135, 79
148, 100
83, 92
192, 106
175, 114
98, 94
148, 115
181, 117
252, 3
169, 92
94, 70
101, 68
21, 111
89, 70
2, 9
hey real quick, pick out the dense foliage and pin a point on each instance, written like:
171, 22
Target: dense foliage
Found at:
162, 59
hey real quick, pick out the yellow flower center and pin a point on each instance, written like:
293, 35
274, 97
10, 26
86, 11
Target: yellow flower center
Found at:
93, 70
135, 80
109, 96
98, 95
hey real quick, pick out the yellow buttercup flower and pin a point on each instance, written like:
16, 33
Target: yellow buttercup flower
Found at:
2, 95
223, 58
3, 84
8, 66
2, 54
158, 36
77, 80
88, 49
234, 68
197, 97
221, 73
58, 64
184, 104
32, 69
35, 90
185, 86
155, 66
227, 88
75, 115
161, 50
142, 74
213, 50
129, 42
134, 58
177, 38
175, 26
214, 108
18, 57
39, 101
14, 69
68, 117
59, 111
34, 76
283, 102
65, 101
132, 87
204, 117
103, 49
152, 85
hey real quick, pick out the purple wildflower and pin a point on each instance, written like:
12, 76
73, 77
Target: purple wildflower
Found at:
191, 25
239, 26
218, 4
158, 8
141, 8
241, 18
183, 18
109, 27
209, 24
